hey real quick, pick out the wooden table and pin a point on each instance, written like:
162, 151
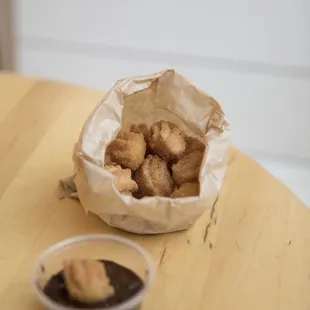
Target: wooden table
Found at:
252, 252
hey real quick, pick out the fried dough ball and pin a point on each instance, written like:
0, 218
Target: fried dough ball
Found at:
141, 128
128, 150
186, 190
87, 280
153, 177
108, 160
187, 168
167, 140
193, 144
124, 183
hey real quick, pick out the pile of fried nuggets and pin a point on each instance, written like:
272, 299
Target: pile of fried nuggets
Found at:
160, 161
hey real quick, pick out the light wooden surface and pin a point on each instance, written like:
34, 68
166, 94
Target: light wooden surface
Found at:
254, 253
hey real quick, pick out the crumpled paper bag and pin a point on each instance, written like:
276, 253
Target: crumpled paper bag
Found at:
161, 96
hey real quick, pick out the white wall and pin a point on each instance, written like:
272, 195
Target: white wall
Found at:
253, 56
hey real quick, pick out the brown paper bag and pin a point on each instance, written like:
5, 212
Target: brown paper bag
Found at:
162, 96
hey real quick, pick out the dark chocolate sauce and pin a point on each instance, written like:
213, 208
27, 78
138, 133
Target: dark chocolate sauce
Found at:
125, 282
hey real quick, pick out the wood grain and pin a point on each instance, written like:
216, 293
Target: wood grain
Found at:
251, 252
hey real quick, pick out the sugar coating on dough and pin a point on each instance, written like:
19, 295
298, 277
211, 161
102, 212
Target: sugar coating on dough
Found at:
193, 144
187, 168
87, 280
143, 129
124, 183
153, 177
167, 140
159, 158
128, 150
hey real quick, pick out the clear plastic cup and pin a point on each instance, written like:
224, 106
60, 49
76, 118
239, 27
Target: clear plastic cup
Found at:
107, 247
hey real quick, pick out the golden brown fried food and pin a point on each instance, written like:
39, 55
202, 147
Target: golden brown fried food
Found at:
186, 190
193, 144
153, 177
141, 128
124, 183
128, 150
187, 168
167, 140
108, 160
87, 280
